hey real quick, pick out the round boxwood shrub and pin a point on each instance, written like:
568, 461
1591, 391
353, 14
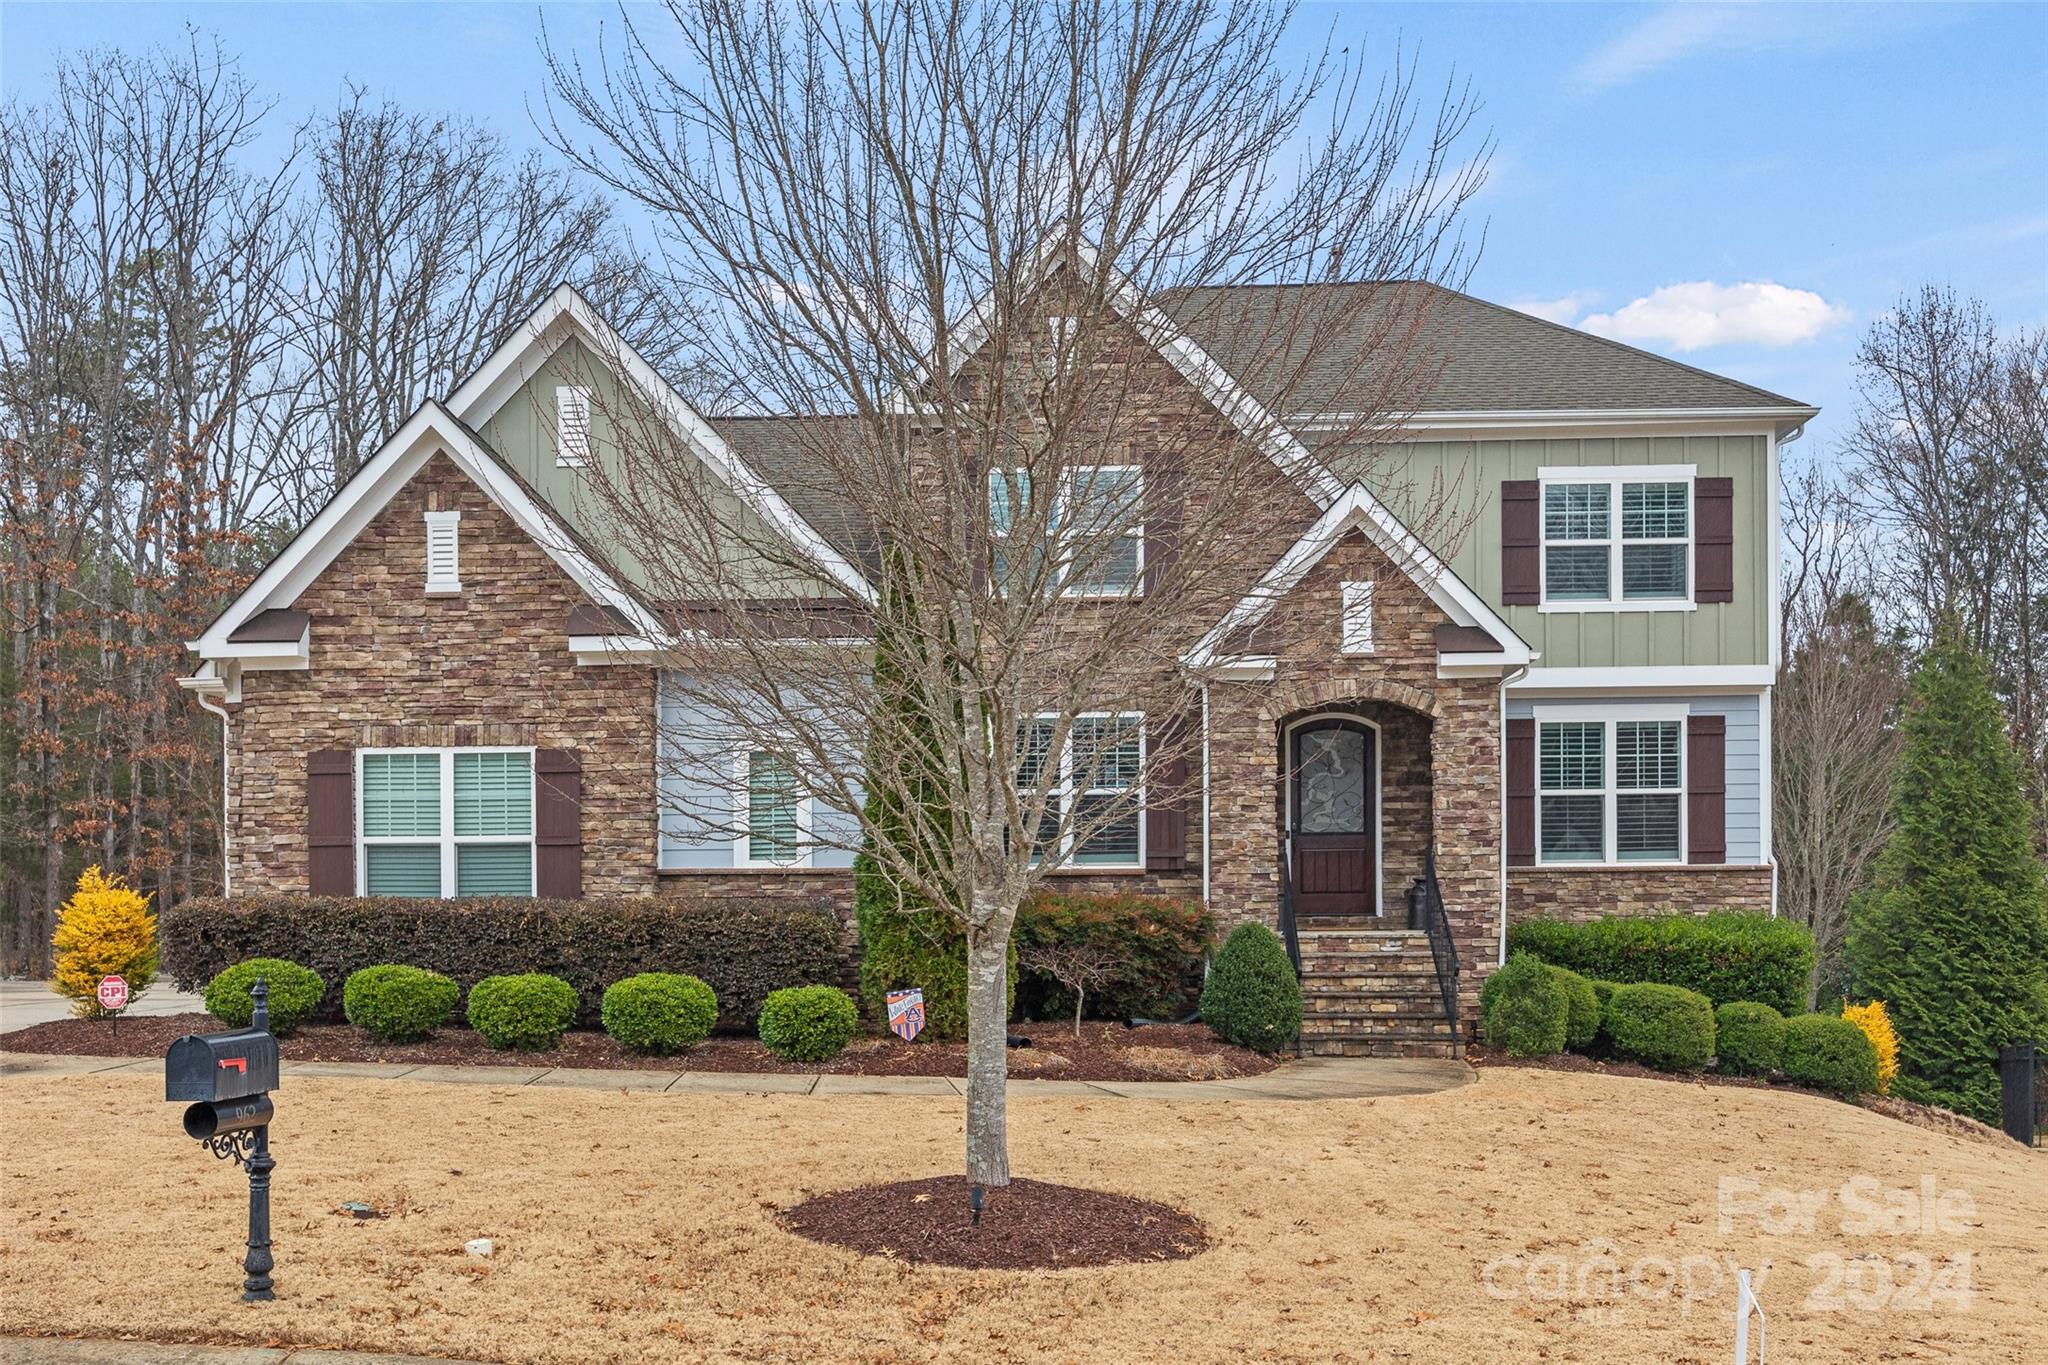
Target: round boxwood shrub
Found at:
1668, 1027
1582, 1009
294, 993
660, 1012
1828, 1052
1251, 997
1749, 1038
808, 1023
1524, 1008
396, 1004
527, 1010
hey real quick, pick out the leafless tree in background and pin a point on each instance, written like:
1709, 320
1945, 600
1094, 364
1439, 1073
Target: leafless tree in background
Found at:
1834, 712
1948, 447
953, 228
199, 338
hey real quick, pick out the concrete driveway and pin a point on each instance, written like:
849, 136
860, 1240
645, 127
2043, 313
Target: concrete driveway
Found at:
23, 1003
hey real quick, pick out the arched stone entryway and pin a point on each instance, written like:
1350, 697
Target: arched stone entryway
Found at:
1353, 804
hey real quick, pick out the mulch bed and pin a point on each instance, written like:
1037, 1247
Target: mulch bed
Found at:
1890, 1106
1103, 1052
1025, 1225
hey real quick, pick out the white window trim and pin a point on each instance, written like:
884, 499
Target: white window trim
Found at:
566, 456
1614, 476
450, 525
447, 838
743, 818
1135, 530
1065, 793
1355, 628
1609, 793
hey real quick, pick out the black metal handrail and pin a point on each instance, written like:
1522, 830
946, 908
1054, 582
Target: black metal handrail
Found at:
1441, 947
1289, 934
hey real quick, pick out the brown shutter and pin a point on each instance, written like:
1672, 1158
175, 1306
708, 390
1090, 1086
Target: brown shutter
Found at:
1706, 788
1164, 486
1166, 801
1521, 543
331, 822
1713, 515
558, 824
1521, 793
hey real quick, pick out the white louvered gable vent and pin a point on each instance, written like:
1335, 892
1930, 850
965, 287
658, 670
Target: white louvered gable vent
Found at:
444, 560
572, 426
1357, 629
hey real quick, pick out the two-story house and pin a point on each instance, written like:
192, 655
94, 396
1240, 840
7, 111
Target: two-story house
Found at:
430, 693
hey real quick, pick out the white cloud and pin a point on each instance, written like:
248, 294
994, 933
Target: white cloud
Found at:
1563, 309
1672, 33
1687, 317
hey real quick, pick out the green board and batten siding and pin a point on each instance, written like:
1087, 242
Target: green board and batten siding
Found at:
1737, 632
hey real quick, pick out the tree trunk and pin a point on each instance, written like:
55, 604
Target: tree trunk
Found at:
1080, 997
988, 1059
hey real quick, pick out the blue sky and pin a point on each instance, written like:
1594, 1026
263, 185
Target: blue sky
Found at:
1740, 185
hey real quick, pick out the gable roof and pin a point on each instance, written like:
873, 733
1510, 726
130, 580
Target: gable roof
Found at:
1357, 509
1485, 358
565, 314
431, 430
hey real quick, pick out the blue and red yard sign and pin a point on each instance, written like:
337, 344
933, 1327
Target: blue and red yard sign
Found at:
906, 1014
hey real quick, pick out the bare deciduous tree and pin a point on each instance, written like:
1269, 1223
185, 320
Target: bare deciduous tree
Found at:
953, 238
1834, 713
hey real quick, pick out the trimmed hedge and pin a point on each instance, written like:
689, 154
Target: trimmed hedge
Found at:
1749, 1039
1251, 997
743, 947
1582, 1009
526, 1010
1525, 1008
1828, 1052
1158, 943
396, 1004
659, 1012
808, 1023
1667, 1027
1726, 956
295, 993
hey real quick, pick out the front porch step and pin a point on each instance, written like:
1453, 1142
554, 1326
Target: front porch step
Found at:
1371, 992
1379, 1047
1349, 941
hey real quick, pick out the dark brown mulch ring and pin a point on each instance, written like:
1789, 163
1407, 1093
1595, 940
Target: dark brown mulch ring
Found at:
1025, 1225
1104, 1052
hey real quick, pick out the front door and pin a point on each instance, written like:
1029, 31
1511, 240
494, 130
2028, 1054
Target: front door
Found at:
1332, 817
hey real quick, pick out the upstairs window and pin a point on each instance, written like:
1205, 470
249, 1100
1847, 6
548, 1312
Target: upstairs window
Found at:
1100, 524
572, 426
446, 822
1617, 540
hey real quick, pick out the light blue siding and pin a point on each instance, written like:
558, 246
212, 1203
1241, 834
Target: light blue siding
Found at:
1744, 716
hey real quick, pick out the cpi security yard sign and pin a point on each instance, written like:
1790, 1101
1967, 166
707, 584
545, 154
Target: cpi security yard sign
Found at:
113, 994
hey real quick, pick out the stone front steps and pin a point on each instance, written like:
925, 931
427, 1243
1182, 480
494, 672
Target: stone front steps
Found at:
1370, 993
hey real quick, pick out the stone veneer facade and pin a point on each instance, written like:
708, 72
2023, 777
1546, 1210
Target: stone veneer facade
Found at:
1589, 892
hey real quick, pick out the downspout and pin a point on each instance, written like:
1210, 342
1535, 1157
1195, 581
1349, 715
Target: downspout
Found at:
207, 705
1205, 792
1507, 681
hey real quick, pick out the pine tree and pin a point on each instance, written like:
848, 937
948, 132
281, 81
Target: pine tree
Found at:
1953, 935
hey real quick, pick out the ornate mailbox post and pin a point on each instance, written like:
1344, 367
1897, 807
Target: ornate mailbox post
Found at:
229, 1077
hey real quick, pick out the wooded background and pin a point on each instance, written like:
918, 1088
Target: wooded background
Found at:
209, 318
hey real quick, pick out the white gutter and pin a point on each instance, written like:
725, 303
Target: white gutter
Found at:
207, 704
1205, 793
1506, 681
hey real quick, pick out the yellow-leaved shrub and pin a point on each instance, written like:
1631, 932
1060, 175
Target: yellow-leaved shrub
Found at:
1876, 1024
106, 928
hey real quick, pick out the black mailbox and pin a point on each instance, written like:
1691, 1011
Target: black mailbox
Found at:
221, 1066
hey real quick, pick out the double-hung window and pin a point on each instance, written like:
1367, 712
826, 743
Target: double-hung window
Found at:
1009, 503
1611, 790
1617, 538
1098, 780
445, 822
1100, 520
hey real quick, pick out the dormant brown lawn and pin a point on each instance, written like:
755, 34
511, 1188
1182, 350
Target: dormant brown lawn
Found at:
1471, 1225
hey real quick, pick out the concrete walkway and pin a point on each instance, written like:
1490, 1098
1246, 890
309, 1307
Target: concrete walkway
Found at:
24, 1002
52, 1351
1309, 1078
